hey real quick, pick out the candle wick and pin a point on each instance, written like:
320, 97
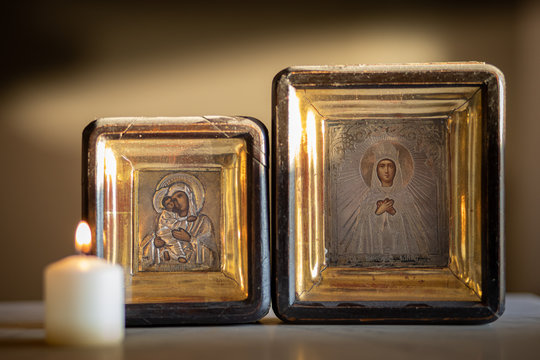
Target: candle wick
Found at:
81, 252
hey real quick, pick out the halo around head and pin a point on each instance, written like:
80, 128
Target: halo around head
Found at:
374, 152
163, 186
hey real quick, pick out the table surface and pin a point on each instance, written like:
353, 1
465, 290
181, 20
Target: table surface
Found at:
515, 335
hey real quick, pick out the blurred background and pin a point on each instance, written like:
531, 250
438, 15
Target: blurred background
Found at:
65, 63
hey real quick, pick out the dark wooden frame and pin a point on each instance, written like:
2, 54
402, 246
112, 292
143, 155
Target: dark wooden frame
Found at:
285, 302
257, 303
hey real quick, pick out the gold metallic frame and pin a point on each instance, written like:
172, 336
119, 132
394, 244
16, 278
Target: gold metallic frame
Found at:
469, 98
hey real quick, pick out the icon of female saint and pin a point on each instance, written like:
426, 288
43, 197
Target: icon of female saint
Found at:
388, 220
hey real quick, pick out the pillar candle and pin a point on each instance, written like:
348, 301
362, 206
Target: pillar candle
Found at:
84, 301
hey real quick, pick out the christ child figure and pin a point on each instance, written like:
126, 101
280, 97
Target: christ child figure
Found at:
169, 222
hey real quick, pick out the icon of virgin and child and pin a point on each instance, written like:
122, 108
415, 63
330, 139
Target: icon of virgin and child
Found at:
391, 217
183, 237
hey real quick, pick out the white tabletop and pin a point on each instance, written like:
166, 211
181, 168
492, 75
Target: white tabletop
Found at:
515, 335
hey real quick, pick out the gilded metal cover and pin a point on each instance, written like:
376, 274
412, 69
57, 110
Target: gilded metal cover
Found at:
181, 204
388, 193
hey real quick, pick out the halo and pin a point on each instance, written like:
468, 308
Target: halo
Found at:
164, 184
405, 161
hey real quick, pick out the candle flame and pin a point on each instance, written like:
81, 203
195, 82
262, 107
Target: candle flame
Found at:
83, 238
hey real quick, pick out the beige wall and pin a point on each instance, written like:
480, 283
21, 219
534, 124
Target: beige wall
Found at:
71, 63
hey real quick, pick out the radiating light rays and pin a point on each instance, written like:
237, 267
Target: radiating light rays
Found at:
419, 201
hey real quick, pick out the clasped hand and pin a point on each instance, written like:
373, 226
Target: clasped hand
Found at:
386, 205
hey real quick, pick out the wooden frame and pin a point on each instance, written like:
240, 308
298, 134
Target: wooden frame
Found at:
464, 283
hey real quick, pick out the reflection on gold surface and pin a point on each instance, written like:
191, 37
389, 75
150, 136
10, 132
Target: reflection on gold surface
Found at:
406, 284
110, 163
315, 190
305, 144
121, 161
153, 287
111, 204
234, 258
465, 195
295, 126
314, 280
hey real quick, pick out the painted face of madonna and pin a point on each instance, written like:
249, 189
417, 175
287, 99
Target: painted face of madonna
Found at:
386, 171
181, 202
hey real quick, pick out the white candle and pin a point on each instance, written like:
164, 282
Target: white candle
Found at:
84, 301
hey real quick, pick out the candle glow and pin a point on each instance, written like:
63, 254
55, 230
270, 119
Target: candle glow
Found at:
83, 238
